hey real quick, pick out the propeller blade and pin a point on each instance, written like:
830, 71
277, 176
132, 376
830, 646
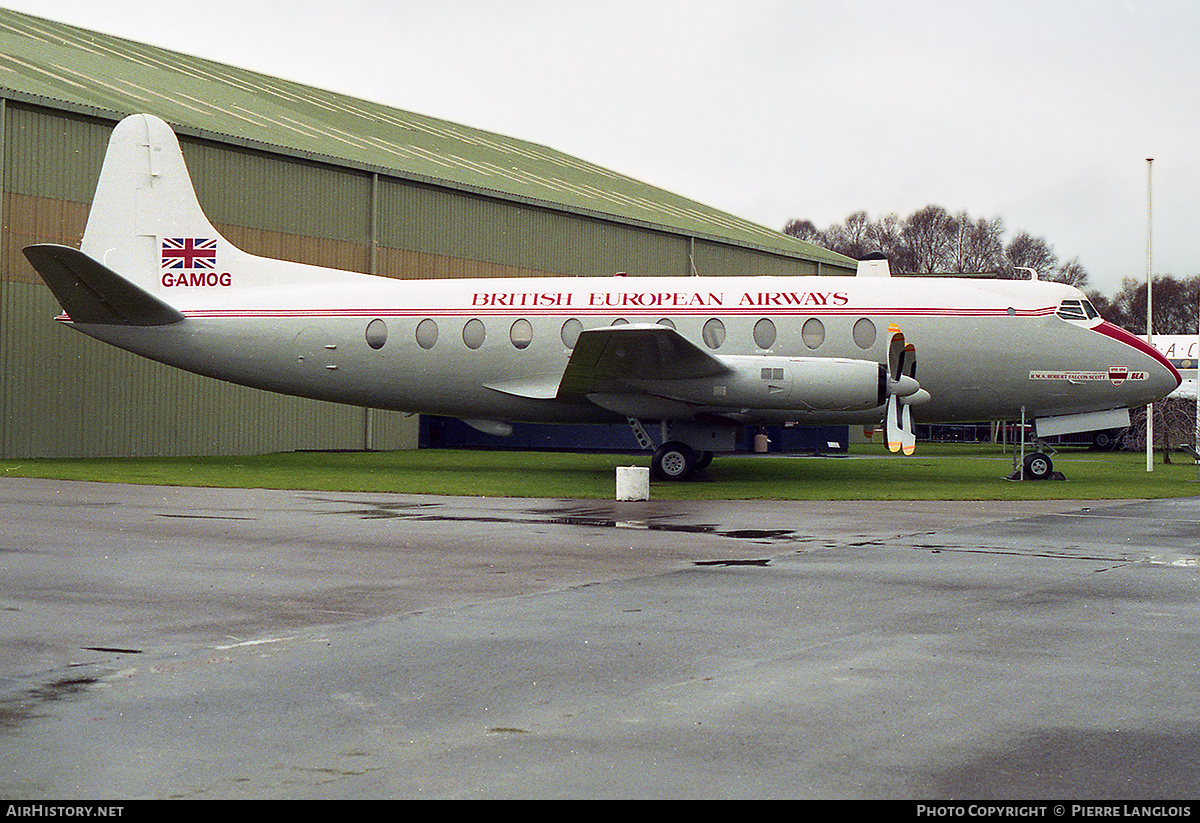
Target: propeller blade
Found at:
904, 392
908, 434
892, 424
895, 352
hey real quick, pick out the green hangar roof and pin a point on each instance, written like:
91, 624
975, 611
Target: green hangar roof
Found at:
61, 66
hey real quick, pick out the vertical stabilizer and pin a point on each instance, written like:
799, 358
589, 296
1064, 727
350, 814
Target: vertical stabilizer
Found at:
145, 217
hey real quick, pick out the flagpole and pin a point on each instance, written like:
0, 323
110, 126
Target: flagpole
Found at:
1149, 299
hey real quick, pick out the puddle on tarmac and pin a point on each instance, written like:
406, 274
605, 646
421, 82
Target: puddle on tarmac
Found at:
424, 512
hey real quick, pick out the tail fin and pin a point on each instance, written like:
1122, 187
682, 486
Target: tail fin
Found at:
146, 225
145, 218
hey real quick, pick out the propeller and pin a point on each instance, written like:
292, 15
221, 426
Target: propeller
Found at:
904, 392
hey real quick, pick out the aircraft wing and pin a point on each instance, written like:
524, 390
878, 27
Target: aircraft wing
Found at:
612, 359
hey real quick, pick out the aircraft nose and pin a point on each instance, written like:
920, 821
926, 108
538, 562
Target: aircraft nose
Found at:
1161, 378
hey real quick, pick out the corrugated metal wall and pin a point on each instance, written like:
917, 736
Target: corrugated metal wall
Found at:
279, 207
50, 173
430, 233
714, 258
64, 394
67, 395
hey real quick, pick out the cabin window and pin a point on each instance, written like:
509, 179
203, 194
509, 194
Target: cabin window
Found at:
474, 333
813, 333
668, 322
521, 334
764, 334
864, 333
376, 333
713, 333
570, 332
427, 333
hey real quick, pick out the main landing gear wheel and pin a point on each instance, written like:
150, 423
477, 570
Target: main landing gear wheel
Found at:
673, 461
1038, 466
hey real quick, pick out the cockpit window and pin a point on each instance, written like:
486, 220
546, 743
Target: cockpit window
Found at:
1077, 310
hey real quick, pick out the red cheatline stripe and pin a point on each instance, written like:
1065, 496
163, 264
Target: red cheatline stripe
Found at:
1119, 334
607, 311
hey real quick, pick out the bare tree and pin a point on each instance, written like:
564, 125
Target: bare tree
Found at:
933, 240
929, 234
807, 231
1072, 273
1174, 426
1028, 252
889, 239
854, 237
1101, 303
1175, 305
980, 245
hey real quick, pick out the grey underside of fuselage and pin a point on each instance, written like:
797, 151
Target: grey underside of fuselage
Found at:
332, 361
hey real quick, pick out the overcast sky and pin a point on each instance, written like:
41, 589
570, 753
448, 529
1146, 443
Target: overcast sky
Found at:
1041, 113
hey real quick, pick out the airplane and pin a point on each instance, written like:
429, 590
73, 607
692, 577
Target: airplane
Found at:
1180, 350
701, 356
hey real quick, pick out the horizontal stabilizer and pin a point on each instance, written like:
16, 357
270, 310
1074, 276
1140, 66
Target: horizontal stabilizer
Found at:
89, 292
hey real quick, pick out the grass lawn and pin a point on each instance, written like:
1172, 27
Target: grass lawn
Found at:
936, 472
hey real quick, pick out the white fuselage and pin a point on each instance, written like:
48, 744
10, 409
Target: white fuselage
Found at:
985, 348
154, 276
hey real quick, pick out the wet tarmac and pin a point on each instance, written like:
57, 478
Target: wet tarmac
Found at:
208, 643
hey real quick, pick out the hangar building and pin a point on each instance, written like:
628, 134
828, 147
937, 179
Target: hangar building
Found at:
286, 170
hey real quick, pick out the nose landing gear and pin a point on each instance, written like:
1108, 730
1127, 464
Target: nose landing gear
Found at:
1037, 466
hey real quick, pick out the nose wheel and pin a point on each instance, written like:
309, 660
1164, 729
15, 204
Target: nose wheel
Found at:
1038, 466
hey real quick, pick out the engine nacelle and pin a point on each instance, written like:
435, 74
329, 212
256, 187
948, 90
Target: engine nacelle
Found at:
808, 383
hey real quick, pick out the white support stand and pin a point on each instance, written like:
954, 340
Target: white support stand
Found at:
633, 483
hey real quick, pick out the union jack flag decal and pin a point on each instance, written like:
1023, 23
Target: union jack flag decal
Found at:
189, 253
